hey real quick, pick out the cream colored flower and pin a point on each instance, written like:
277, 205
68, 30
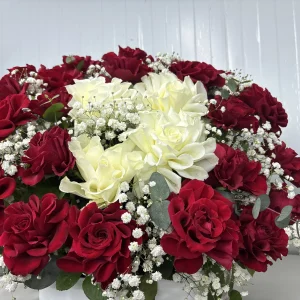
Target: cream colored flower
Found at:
103, 171
165, 91
174, 145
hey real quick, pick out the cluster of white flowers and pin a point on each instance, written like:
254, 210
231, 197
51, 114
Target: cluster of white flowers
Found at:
163, 61
95, 71
293, 233
12, 148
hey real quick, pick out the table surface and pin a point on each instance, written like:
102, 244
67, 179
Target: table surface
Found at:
280, 283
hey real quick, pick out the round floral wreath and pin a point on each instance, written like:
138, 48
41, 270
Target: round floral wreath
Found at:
135, 168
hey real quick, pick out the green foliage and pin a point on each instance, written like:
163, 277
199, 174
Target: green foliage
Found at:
261, 203
80, 65
283, 220
65, 280
232, 85
93, 292
225, 94
235, 295
159, 214
166, 269
47, 277
70, 59
150, 290
161, 190
53, 113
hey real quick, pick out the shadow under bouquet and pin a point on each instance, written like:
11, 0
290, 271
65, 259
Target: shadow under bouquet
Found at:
133, 169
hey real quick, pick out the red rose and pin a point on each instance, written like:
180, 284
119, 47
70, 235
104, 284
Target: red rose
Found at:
48, 153
32, 231
22, 72
58, 76
261, 239
130, 52
1, 216
201, 219
266, 106
12, 114
198, 71
77, 62
235, 171
46, 99
7, 185
128, 68
10, 86
289, 161
100, 243
279, 199
237, 114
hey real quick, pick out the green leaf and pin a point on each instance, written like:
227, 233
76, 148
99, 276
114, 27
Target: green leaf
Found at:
250, 271
256, 208
150, 290
166, 269
93, 292
80, 65
226, 194
225, 94
70, 59
159, 214
235, 295
161, 189
53, 113
65, 280
47, 277
265, 202
283, 220
232, 85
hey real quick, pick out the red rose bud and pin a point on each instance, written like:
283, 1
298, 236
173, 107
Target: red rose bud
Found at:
198, 71
48, 154
32, 231
266, 106
201, 220
98, 233
235, 171
261, 239
13, 113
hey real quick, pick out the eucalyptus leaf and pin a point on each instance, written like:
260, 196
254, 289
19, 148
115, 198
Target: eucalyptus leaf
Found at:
251, 272
47, 277
53, 113
80, 65
265, 202
256, 208
225, 94
161, 189
65, 280
93, 292
70, 59
283, 220
159, 214
226, 194
232, 85
235, 295
150, 290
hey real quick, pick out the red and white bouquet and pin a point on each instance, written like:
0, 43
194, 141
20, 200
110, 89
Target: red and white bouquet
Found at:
133, 169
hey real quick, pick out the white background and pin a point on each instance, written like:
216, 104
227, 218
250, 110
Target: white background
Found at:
261, 37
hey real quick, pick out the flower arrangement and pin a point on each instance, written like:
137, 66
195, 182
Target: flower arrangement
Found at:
133, 169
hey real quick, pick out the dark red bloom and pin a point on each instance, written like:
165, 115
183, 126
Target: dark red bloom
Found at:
261, 239
289, 161
100, 243
12, 114
48, 153
198, 71
128, 65
279, 199
201, 220
22, 72
10, 86
266, 106
58, 76
80, 63
1, 216
237, 114
235, 171
7, 185
46, 99
32, 231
